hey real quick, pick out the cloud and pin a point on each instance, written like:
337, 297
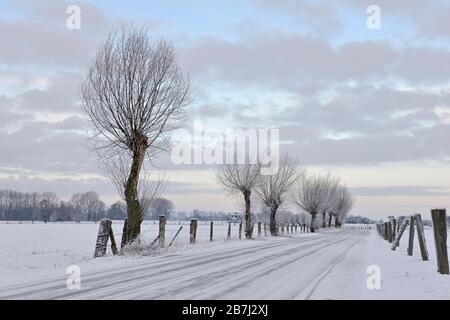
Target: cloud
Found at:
64, 187
317, 18
400, 191
40, 36
39, 146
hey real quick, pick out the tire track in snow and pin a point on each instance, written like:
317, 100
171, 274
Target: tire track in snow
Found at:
166, 278
220, 272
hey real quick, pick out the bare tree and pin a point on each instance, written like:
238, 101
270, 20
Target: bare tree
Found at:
134, 94
330, 197
48, 205
161, 206
312, 195
272, 189
342, 206
240, 178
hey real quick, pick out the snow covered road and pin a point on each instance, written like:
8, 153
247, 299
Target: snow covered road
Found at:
282, 268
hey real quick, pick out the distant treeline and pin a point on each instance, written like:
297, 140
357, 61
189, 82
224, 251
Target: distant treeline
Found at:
45, 206
359, 219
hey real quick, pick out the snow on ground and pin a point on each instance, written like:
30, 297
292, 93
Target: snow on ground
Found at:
286, 267
331, 264
27, 250
403, 277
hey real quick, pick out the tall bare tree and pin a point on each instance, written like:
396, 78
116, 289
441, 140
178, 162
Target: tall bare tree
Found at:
134, 94
311, 195
240, 178
272, 189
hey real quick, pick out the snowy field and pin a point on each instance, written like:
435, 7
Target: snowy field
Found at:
331, 264
29, 249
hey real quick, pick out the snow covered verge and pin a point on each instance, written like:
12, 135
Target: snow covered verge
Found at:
34, 251
331, 264
402, 276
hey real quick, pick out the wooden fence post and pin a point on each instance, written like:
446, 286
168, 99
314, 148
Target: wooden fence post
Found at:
240, 230
399, 234
386, 231
104, 232
124, 235
421, 237
229, 230
394, 229
265, 229
162, 230
439, 218
259, 228
411, 235
211, 231
193, 231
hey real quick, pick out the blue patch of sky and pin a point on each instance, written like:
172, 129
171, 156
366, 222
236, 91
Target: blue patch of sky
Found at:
227, 20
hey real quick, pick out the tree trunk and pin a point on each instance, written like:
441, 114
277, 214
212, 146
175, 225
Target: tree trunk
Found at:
134, 215
330, 215
272, 222
248, 218
313, 222
324, 215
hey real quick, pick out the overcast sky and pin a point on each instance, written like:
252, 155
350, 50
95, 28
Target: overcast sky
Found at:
372, 106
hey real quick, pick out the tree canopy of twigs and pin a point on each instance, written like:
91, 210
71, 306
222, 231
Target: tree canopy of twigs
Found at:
311, 195
323, 194
134, 94
273, 189
342, 206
